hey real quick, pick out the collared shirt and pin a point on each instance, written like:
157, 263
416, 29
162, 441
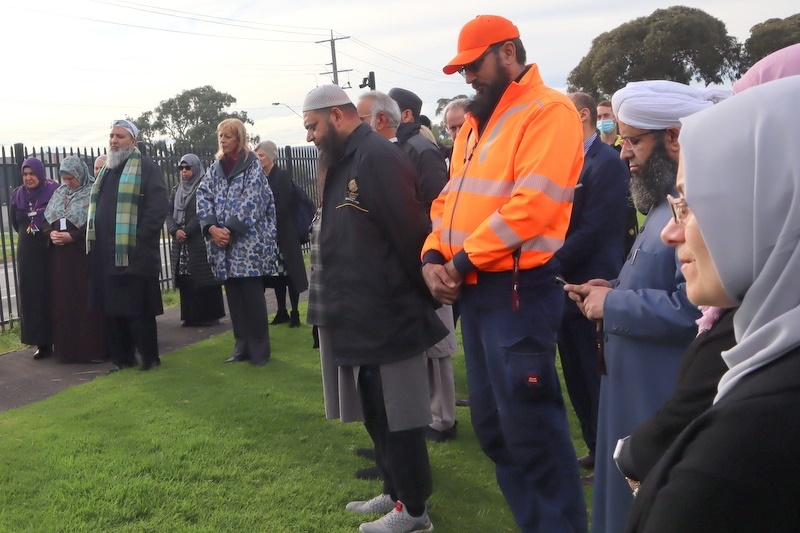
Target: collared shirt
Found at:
588, 143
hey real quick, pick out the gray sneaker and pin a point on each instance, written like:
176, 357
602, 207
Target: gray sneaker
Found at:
398, 521
380, 504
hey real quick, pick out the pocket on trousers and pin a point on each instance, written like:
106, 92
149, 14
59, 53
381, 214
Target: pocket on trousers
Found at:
531, 372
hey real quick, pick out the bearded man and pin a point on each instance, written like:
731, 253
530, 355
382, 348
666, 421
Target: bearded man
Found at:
126, 213
644, 315
496, 226
374, 313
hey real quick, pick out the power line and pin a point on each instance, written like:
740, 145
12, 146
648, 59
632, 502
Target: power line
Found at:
89, 19
208, 19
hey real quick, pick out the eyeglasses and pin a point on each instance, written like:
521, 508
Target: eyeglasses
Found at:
632, 141
475, 66
680, 209
184, 167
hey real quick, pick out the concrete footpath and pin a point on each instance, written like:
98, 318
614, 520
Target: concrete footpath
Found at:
24, 380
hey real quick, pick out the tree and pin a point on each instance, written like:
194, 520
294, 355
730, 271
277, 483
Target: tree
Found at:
771, 35
678, 43
191, 117
145, 124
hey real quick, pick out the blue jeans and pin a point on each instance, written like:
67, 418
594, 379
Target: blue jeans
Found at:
517, 409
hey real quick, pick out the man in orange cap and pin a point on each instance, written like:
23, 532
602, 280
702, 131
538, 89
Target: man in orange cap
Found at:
496, 225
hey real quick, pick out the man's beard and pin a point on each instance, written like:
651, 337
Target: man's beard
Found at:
654, 179
117, 156
482, 104
331, 147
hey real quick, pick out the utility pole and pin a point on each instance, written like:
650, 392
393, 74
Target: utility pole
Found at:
334, 68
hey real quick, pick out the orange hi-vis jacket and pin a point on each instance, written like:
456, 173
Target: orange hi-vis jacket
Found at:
510, 187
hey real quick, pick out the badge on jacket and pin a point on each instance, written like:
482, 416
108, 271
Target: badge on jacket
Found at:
351, 199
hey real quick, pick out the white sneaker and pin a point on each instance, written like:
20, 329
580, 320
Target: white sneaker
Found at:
398, 521
382, 504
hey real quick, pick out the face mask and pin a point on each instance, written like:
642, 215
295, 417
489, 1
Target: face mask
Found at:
605, 126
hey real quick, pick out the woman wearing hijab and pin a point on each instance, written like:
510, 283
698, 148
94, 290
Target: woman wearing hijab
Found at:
201, 294
237, 217
78, 333
27, 206
736, 467
289, 257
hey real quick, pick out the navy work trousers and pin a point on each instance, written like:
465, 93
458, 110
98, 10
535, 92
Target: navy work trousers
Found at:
517, 409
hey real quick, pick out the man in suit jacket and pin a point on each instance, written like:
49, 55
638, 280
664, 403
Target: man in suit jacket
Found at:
594, 248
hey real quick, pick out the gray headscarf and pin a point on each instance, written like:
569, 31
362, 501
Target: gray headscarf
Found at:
742, 182
72, 204
187, 188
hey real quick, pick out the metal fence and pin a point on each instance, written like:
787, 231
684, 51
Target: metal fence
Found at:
300, 161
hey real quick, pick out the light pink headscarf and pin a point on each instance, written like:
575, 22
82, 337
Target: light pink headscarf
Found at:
785, 62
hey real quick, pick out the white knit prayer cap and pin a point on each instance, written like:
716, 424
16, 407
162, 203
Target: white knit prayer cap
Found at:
325, 96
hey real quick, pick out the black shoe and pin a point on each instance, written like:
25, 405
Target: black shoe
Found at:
315, 336
588, 479
44, 351
281, 317
294, 320
463, 402
366, 453
443, 435
150, 365
236, 359
368, 473
587, 461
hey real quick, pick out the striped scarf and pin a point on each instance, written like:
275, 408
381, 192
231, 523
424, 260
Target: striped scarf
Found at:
130, 183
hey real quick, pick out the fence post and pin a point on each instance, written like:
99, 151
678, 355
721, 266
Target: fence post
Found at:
287, 155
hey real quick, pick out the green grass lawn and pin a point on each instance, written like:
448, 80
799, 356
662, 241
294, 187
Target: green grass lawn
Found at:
200, 446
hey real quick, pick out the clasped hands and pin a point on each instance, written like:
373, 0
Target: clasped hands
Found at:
590, 297
60, 238
444, 281
220, 236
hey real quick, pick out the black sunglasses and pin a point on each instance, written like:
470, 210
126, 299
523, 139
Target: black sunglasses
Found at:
184, 167
475, 66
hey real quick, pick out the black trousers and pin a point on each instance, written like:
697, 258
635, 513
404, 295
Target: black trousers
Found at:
127, 334
401, 456
248, 310
577, 347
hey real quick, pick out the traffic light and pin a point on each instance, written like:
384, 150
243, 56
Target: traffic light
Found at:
369, 81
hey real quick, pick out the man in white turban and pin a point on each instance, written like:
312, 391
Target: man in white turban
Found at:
645, 317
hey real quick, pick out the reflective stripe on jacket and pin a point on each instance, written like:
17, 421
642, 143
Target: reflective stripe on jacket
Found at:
512, 186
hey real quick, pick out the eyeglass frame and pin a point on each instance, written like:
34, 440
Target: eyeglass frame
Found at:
626, 141
679, 207
475, 66
181, 167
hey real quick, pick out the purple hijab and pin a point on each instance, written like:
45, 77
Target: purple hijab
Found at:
34, 199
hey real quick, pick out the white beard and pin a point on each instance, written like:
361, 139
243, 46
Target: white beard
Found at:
118, 156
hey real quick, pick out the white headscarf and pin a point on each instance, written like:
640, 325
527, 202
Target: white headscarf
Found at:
660, 104
742, 182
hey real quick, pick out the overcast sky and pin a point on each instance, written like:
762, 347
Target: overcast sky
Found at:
72, 66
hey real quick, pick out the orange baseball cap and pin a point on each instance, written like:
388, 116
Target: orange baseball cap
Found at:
477, 36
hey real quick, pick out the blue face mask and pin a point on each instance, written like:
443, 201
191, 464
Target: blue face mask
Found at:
606, 126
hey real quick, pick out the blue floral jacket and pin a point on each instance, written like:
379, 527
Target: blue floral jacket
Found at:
243, 203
